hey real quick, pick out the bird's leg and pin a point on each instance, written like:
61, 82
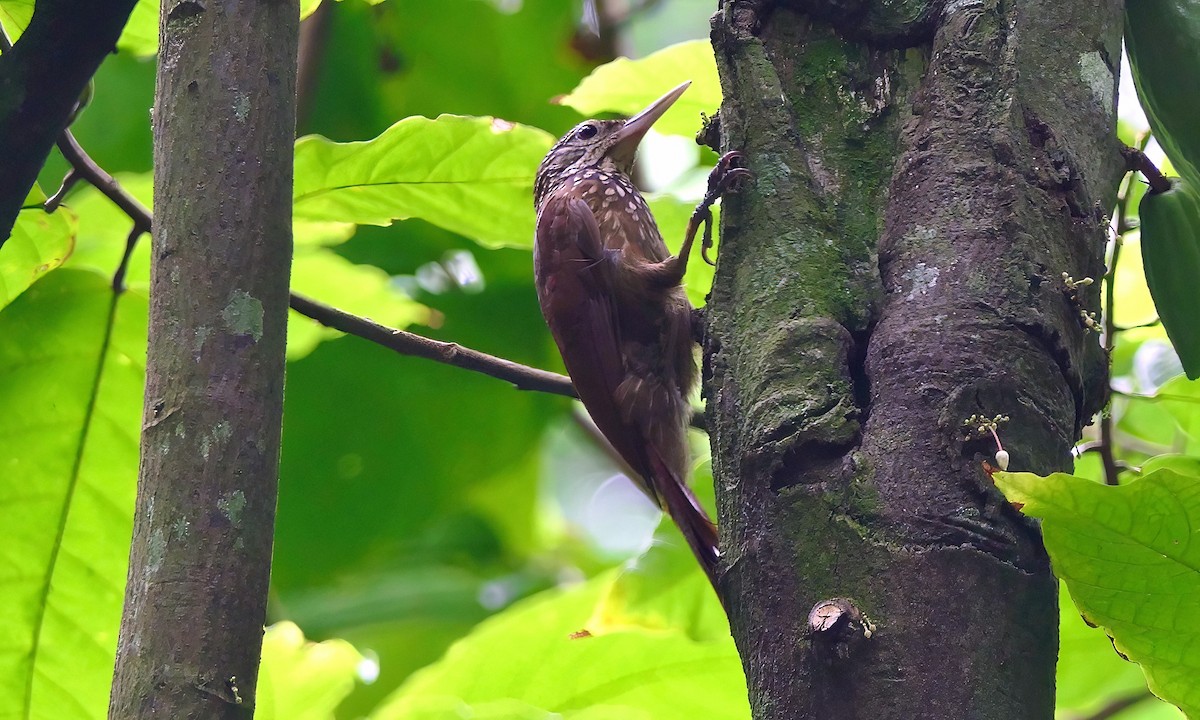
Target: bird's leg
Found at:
724, 178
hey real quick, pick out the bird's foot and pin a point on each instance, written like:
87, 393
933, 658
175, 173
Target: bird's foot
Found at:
727, 176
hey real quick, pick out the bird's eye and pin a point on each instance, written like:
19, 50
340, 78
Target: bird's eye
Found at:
587, 132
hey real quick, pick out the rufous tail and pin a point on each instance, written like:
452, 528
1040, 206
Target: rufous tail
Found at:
684, 508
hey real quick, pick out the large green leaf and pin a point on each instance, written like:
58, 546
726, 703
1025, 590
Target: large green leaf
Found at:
464, 57
1130, 556
302, 680
662, 589
360, 289
1091, 676
316, 271
39, 243
422, 480
72, 389
14, 17
560, 668
626, 86
470, 175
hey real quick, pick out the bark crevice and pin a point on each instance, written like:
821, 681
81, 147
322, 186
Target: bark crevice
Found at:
895, 269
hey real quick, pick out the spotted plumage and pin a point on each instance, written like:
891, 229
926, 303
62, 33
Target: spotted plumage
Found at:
611, 294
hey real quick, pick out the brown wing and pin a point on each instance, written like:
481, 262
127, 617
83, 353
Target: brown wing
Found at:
573, 272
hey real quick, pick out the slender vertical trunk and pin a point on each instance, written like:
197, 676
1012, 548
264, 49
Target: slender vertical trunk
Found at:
925, 174
224, 124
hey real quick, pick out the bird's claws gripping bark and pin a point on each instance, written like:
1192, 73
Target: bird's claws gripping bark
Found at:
727, 176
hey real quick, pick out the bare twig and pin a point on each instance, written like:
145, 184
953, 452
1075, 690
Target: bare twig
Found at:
406, 343
84, 167
1136, 160
1105, 448
69, 180
520, 376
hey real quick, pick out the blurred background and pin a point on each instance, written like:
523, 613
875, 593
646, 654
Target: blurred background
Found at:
417, 500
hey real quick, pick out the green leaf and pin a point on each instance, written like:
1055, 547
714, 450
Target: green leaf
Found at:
364, 290
464, 57
1130, 556
627, 86
39, 243
140, 37
662, 589
301, 680
14, 17
473, 176
72, 387
659, 675
104, 228
1181, 398
1090, 675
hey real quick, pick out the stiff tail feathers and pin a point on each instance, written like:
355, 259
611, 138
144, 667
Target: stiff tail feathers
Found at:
684, 508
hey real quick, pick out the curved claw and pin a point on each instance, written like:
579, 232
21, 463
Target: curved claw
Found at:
732, 179
727, 176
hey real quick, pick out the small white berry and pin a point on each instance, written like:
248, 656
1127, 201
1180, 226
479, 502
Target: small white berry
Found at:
1002, 459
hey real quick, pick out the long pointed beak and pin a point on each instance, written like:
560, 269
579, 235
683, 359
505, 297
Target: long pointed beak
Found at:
631, 133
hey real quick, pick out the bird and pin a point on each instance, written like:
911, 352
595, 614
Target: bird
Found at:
611, 294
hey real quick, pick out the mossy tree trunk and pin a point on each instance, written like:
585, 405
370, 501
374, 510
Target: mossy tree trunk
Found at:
926, 172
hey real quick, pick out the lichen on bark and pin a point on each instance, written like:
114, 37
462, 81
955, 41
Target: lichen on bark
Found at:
924, 174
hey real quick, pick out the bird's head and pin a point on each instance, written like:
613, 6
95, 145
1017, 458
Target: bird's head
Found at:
606, 145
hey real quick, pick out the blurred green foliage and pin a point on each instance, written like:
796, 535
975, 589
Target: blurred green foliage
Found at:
445, 544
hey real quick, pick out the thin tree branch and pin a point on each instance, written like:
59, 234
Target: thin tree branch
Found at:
405, 343
1107, 456
83, 167
1136, 160
86, 167
520, 376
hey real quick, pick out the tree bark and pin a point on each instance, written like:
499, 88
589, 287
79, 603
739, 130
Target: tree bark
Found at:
41, 78
925, 172
224, 125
